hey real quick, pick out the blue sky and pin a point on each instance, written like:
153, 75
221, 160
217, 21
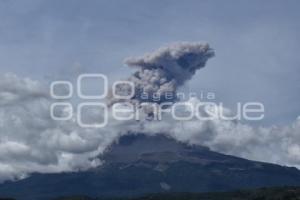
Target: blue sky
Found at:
256, 43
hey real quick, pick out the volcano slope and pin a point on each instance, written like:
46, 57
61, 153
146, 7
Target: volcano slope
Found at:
137, 165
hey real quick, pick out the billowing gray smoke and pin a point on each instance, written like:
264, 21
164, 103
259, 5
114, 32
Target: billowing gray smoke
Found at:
160, 73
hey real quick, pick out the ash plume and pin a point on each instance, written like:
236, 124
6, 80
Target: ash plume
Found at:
161, 72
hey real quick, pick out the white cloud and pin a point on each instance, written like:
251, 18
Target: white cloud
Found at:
275, 144
30, 141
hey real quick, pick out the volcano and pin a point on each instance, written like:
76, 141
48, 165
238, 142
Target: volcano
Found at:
137, 164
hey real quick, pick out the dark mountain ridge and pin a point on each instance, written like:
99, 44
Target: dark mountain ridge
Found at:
139, 164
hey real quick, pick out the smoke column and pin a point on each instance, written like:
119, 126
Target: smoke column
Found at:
161, 72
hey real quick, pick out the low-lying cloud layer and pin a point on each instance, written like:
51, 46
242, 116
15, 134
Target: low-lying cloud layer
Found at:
30, 141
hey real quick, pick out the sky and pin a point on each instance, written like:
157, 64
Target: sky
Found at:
256, 59
256, 43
